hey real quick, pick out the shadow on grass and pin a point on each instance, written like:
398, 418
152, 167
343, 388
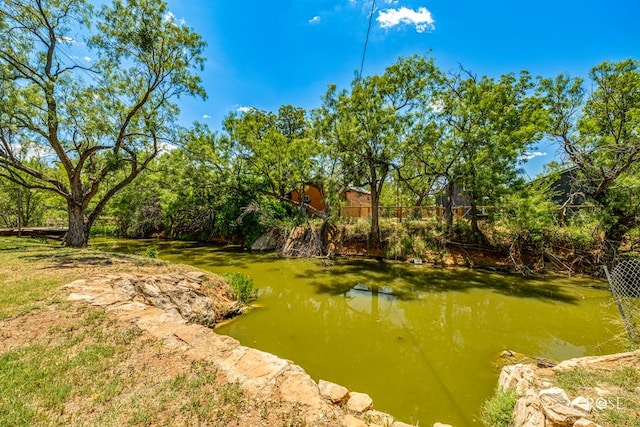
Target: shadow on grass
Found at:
70, 258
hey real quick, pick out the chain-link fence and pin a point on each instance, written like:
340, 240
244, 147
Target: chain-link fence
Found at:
624, 279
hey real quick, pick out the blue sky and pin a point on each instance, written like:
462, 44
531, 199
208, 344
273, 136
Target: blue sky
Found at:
266, 54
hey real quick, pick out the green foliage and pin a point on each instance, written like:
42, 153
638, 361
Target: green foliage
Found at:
410, 239
104, 230
363, 128
596, 125
498, 411
105, 130
528, 212
276, 150
152, 251
20, 205
242, 287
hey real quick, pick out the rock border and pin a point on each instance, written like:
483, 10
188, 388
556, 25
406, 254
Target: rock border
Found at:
540, 404
137, 299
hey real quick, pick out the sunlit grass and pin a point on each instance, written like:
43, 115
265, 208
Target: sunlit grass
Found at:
621, 407
64, 363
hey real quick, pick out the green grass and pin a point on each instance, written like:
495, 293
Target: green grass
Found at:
66, 363
621, 407
242, 286
83, 372
574, 380
498, 410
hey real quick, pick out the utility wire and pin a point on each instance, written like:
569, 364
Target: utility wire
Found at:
366, 41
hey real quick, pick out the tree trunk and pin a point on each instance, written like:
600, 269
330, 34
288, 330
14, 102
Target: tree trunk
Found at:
476, 234
418, 204
78, 232
19, 211
375, 223
448, 209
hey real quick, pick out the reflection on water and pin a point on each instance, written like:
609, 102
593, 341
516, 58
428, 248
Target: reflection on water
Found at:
421, 341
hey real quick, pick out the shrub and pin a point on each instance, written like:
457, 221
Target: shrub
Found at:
498, 411
242, 286
152, 252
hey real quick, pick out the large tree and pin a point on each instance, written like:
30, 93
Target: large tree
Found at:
275, 151
489, 124
99, 122
367, 126
598, 127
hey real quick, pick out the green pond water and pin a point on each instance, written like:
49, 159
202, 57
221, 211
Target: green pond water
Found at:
423, 342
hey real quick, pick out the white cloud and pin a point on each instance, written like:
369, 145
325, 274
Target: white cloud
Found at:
206, 116
528, 156
391, 1
169, 17
67, 39
244, 109
165, 147
87, 58
437, 106
314, 20
420, 18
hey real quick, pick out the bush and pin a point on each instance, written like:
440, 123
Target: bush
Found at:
152, 252
498, 411
242, 286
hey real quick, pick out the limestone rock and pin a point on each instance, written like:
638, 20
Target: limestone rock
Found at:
526, 412
297, 386
359, 402
554, 395
581, 404
522, 386
583, 422
512, 374
378, 418
561, 415
333, 392
621, 358
351, 421
269, 241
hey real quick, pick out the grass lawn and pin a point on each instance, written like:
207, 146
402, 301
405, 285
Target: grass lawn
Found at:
64, 363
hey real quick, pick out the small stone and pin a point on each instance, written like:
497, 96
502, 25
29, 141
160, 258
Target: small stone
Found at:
581, 404
378, 417
442, 425
351, 421
359, 402
562, 415
510, 375
525, 412
400, 424
555, 395
335, 393
583, 422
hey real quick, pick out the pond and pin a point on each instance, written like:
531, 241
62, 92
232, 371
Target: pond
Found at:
423, 342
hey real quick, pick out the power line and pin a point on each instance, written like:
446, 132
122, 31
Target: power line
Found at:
366, 41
